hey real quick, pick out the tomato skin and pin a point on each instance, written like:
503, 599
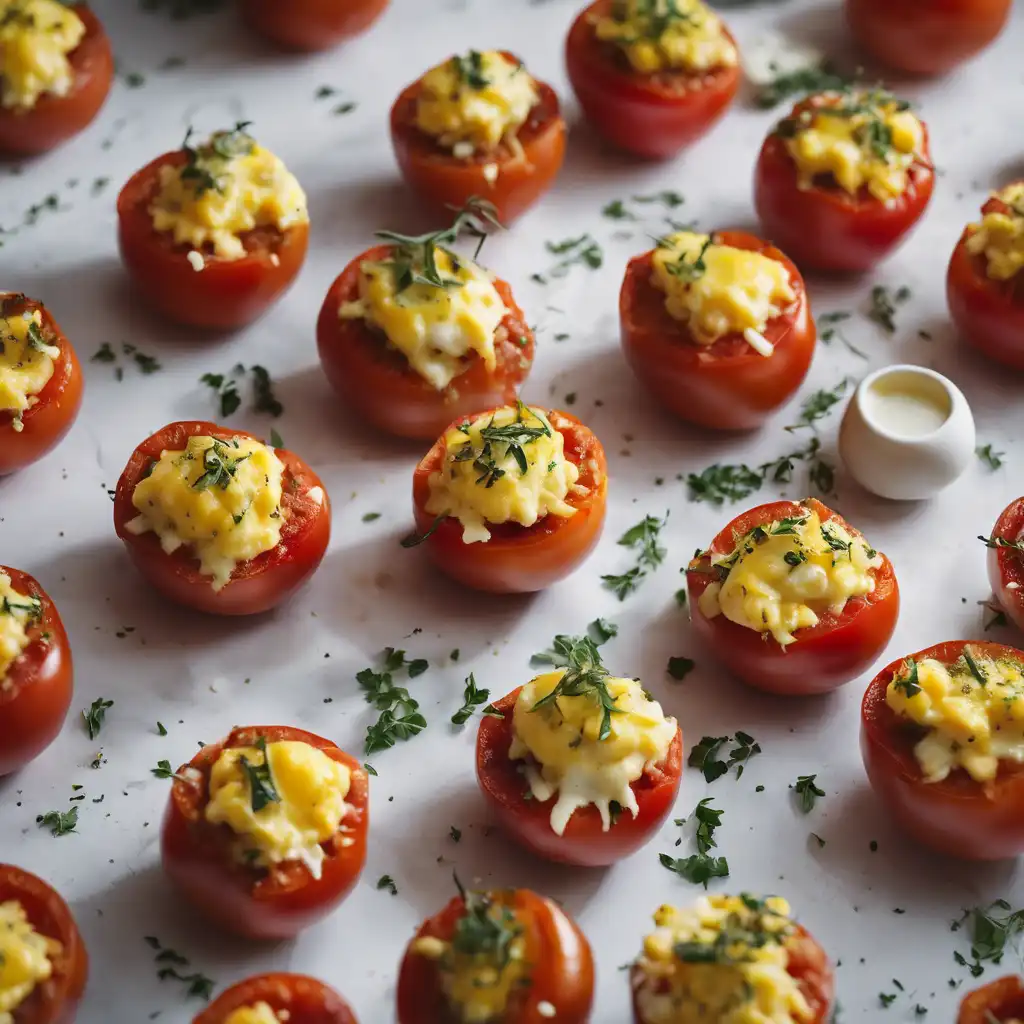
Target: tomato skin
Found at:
999, 1000
823, 657
727, 385
826, 228
520, 559
957, 816
296, 998
643, 114
47, 422
1006, 566
227, 294
257, 585
562, 971
250, 903
54, 1001
583, 843
378, 384
311, 25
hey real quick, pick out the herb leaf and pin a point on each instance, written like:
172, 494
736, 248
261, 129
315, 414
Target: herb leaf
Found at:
60, 823
699, 868
472, 696
644, 536
720, 483
807, 791
400, 717
94, 715
261, 781
584, 676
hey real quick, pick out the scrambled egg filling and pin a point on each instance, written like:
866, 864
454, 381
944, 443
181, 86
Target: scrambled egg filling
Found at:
973, 711
36, 37
718, 289
667, 35
26, 958
782, 576
223, 498
259, 1013
435, 326
863, 139
507, 466
282, 800
1000, 236
26, 362
473, 103
587, 749
226, 187
18, 612
722, 961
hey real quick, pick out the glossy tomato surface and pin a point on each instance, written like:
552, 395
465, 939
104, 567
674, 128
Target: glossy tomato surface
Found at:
55, 119
654, 115
254, 902
561, 966
1006, 565
376, 382
995, 1003
255, 586
823, 657
44, 425
35, 693
225, 294
54, 1001
956, 816
727, 385
824, 227
295, 998
520, 559
584, 841
311, 24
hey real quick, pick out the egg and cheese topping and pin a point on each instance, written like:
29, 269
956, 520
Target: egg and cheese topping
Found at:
258, 1013
784, 575
226, 187
18, 613
722, 961
222, 498
862, 139
282, 800
506, 466
26, 959
718, 289
26, 361
36, 38
1000, 236
667, 35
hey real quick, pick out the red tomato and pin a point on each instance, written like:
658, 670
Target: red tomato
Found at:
55, 119
561, 966
255, 586
823, 657
35, 693
926, 39
584, 841
651, 115
44, 425
988, 314
311, 24
726, 385
376, 381
995, 1003
54, 1001
520, 559
446, 182
295, 998
257, 903
226, 294
1006, 564
824, 227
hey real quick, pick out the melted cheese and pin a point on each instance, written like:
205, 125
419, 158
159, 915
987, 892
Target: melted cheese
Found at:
435, 328
229, 186
783, 576
311, 790
473, 103
1000, 236
223, 498
717, 289
36, 37
25, 958
259, 1013
861, 139
480, 481
17, 614
667, 35
743, 976
26, 362
565, 757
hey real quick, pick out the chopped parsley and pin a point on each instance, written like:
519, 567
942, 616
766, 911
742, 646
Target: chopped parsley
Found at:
721, 483
698, 868
644, 537
907, 679
60, 823
704, 755
807, 792
198, 985
679, 668
472, 697
386, 882
501, 442
992, 459
584, 676
884, 305
801, 82
225, 388
828, 332
400, 717
163, 770
819, 405
262, 790
94, 715
582, 251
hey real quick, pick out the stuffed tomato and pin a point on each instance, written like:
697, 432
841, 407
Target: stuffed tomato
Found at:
1006, 561
999, 1002
270, 998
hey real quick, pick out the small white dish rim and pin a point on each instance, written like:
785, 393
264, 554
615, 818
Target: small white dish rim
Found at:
953, 394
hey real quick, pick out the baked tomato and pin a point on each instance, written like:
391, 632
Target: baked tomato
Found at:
257, 585
725, 385
653, 115
27, 437
55, 1000
259, 903
1006, 561
295, 998
823, 657
311, 24
54, 119
36, 687
548, 976
998, 1002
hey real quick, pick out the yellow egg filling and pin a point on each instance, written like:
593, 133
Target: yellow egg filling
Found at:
258, 1013
1000, 236
36, 37
26, 958
18, 613
26, 361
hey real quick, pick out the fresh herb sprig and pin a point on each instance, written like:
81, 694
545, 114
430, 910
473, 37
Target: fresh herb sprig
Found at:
644, 538
818, 405
704, 756
807, 792
486, 930
93, 716
400, 717
701, 867
205, 165
472, 697
885, 304
60, 823
579, 251
501, 442
262, 790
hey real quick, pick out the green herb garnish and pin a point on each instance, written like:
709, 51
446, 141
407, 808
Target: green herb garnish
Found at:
94, 714
472, 697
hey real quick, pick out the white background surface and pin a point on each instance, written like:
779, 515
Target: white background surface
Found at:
190, 672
